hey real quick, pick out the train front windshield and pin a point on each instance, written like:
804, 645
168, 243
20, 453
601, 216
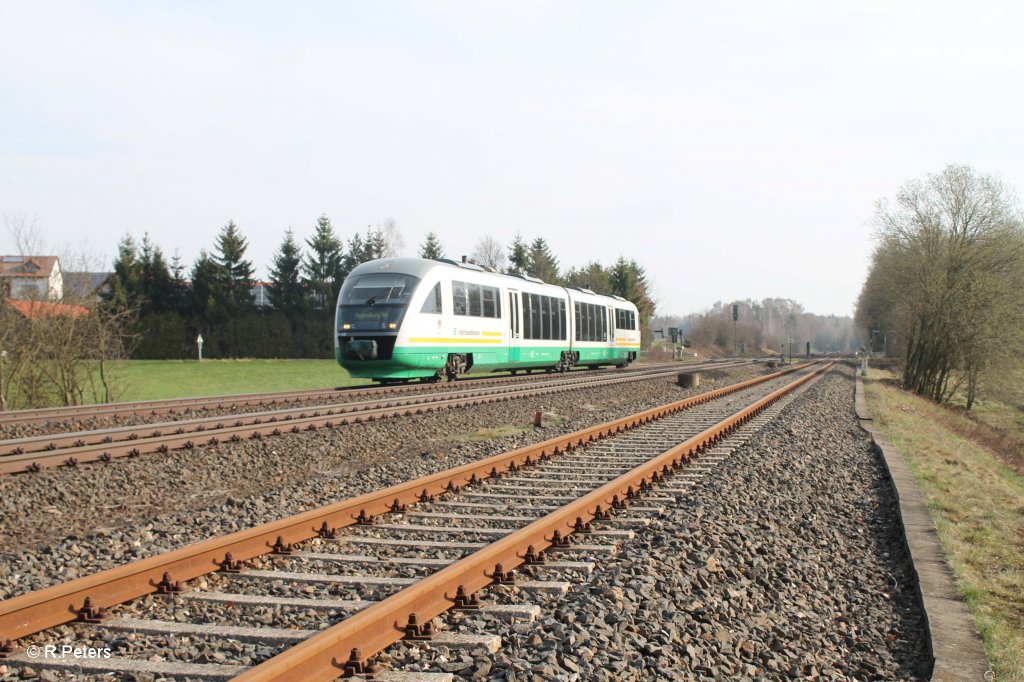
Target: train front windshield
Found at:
374, 302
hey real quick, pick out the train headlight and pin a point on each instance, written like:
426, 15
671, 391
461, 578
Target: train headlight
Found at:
392, 325
346, 326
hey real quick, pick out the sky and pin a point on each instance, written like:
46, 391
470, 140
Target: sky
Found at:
734, 149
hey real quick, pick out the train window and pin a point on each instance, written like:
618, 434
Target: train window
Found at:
474, 299
527, 326
460, 302
432, 304
538, 329
625, 319
491, 302
561, 320
545, 317
591, 322
378, 289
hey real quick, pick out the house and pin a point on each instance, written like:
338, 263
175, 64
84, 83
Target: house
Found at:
30, 278
85, 286
35, 310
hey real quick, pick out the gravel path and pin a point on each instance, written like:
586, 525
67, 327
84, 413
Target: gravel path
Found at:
61, 524
785, 562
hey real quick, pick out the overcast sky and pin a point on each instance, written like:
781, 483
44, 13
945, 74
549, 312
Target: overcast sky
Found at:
734, 149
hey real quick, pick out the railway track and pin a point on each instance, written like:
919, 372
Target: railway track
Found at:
382, 566
183, 406
31, 454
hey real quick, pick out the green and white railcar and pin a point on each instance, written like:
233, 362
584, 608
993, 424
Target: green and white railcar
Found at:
408, 318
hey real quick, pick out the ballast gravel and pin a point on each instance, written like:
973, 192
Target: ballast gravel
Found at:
61, 524
785, 562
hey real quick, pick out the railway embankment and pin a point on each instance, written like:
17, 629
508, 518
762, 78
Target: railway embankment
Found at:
963, 505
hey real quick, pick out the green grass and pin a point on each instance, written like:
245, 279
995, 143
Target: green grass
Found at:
977, 502
158, 379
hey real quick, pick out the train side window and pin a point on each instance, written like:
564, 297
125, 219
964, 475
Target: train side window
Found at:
538, 328
491, 302
432, 304
460, 305
528, 303
474, 299
561, 320
545, 317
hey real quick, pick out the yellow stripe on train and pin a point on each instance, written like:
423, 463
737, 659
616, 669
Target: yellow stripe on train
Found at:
459, 340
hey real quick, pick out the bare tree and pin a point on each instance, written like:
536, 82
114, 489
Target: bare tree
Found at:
947, 279
394, 243
489, 252
59, 352
28, 239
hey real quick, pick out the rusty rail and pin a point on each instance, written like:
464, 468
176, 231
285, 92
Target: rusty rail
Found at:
172, 406
377, 627
46, 452
30, 613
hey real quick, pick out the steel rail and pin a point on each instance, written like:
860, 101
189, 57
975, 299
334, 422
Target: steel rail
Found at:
69, 439
384, 623
36, 611
48, 452
172, 405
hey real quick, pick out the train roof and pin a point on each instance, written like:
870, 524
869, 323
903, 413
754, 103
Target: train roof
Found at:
419, 267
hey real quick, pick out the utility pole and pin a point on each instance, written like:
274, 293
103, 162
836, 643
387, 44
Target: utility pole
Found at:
735, 317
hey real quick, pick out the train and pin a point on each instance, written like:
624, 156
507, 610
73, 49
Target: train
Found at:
400, 319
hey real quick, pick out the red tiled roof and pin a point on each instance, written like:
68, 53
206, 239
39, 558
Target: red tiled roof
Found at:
35, 310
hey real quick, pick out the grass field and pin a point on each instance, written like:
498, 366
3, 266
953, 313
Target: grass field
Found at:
157, 379
977, 502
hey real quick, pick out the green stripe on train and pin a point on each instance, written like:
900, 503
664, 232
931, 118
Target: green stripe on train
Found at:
413, 363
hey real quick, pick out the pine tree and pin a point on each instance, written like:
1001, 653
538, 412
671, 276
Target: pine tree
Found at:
125, 284
286, 292
180, 292
323, 265
204, 298
155, 284
543, 263
376, 245
354, 255
518, 254
431, 247
629, 281
592, 276
234, 276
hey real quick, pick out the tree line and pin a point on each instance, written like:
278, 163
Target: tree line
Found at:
945, 290
214, 298
772, 324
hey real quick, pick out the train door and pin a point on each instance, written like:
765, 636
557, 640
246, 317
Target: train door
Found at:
611, 327
514, 335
